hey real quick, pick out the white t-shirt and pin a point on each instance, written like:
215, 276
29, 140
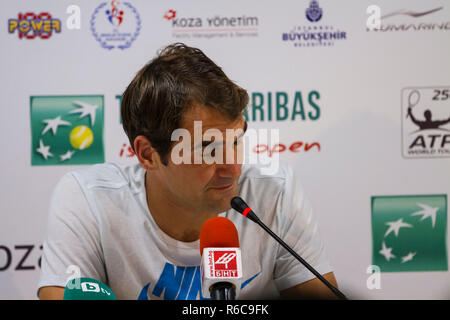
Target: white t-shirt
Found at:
99, 221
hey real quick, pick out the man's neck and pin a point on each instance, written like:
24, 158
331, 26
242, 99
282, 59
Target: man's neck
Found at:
178, 222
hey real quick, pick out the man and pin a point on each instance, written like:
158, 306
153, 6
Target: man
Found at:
136, 228
428, 123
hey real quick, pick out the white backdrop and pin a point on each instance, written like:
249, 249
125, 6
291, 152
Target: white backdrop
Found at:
358, 81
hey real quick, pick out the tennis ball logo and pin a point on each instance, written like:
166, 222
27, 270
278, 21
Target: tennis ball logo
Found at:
81, 137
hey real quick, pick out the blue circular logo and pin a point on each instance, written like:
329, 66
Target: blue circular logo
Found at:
115, 25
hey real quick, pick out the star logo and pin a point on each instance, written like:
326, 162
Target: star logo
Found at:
67, 155
53, 124
386, 252
427, 212
44, 150
409, 233
86, 110
408, 257
66, 130
395, 226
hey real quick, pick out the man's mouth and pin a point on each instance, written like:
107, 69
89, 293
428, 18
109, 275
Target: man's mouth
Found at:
223, 187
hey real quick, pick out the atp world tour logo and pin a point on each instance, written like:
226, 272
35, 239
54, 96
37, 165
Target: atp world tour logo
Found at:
66, 130
426, 122
409, 233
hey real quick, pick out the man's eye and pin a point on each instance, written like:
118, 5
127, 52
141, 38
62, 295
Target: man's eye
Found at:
212, 153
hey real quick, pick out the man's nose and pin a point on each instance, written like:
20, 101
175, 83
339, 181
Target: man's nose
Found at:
232, 170
232, 161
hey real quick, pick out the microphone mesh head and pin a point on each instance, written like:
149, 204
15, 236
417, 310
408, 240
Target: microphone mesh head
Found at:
218, 232
238, 204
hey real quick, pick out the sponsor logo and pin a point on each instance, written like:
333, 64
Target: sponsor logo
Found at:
409, 233
90, 287
426, 122
115, 24
30, 25
126, 151
278, 106
295, 147
224, 264
20, 257
406, 20
66, 130
216, 26
179, 283
299, 147
314, 12
257, 146
314, 34
175, 283
283, 106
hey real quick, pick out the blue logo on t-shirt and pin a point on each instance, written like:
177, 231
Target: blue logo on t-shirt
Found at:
179, 283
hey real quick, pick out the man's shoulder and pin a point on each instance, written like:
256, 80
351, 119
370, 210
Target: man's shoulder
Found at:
268, 194
108, 175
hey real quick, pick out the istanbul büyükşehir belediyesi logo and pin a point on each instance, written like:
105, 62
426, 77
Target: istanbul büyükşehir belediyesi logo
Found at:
66, 130
314, 34
426, 122
314, 12
409, 233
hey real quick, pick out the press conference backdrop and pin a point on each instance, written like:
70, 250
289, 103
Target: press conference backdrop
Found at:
337, 78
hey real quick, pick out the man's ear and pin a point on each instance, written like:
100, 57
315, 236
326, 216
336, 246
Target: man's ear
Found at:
146, 154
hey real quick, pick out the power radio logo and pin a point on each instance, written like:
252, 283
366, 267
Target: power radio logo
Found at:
66, 130
30, 25
225, 264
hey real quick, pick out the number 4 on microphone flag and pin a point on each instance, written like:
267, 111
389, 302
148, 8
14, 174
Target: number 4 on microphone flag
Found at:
221, 264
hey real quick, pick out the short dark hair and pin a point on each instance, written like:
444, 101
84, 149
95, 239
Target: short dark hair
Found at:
155, 101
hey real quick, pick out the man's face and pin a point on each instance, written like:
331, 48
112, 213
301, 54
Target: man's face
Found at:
206, 187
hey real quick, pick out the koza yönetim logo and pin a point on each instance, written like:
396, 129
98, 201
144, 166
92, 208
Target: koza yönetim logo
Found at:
67, 130
409, 233
214, 26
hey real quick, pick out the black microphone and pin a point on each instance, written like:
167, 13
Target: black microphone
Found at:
240, 206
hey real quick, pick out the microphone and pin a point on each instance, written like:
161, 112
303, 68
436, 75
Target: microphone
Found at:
221, 266
240, 206
87, 289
